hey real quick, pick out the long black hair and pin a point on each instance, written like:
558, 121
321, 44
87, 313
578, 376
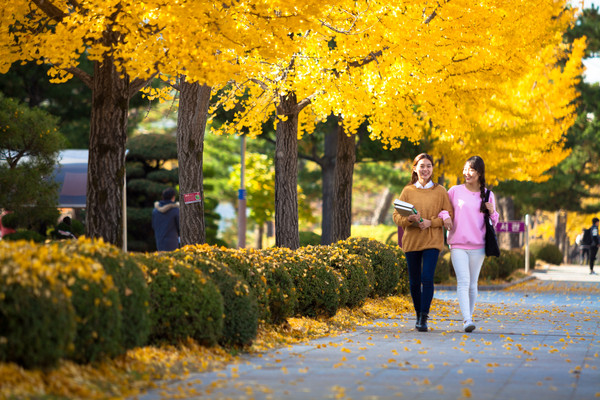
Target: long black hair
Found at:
418, 158
478, 165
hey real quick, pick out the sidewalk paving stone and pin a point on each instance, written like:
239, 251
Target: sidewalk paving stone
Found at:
527, 346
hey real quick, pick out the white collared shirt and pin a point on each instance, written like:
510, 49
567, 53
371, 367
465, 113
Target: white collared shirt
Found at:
427, 185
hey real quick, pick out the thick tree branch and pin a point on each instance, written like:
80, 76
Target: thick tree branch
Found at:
86, 78
50, 9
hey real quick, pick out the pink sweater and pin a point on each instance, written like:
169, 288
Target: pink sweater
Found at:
468, 231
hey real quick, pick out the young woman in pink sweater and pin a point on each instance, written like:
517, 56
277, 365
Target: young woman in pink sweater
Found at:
467, 234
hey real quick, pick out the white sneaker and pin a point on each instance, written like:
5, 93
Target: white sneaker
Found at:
468, 325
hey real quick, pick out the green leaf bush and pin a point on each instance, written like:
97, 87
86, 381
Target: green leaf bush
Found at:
184, 303
37, 319
246, 268
240, 321
443, 268
546, 251
317, 284
356, 271
130, 281
281, 290
384, 260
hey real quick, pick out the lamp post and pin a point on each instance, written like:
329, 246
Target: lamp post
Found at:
242, 197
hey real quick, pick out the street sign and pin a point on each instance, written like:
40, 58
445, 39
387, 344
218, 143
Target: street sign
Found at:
510, 226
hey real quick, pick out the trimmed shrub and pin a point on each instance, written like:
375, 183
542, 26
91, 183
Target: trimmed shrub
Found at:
240, 322
443, 267
281, 290
131, 284
24, 235
308, 238
98, 308
184, 303
243, 266
403, 286
37, 319
546, 251
317, 285
356, 270
384, 260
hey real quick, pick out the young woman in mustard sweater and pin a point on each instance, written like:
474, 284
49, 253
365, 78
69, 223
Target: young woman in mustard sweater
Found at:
423, 233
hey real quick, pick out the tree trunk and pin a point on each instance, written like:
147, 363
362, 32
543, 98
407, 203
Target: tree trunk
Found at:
344, 169
260, 232
328, 184
191, 124
560, 233
106, 163
382, 211
286, 174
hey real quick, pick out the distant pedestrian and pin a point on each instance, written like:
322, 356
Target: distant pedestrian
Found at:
423, 237
466, 237
595, 242
584, 240
165, 221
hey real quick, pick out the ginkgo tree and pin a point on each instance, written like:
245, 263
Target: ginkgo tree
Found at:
397, 66
132, 42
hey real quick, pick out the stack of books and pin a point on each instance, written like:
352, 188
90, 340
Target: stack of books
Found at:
404, 208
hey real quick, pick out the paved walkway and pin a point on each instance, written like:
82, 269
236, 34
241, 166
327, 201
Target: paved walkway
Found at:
529, 344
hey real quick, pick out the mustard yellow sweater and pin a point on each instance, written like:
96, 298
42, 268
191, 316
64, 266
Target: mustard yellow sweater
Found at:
429, 202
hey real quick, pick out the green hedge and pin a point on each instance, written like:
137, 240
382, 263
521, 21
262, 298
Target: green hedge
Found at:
384, 261
546, 251
184, 303
37, 319
317, 285
240, 322
356, 270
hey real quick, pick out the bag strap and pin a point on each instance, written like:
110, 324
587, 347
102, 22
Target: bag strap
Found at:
487, 198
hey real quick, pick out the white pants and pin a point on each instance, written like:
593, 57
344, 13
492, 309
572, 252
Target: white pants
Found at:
467, 265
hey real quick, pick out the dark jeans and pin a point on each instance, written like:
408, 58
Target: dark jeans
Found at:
593, 252
421, 268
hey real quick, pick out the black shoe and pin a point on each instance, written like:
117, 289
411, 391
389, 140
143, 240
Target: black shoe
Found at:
423, 322
418, 324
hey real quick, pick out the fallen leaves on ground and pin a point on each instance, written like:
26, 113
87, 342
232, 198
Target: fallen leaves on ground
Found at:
144, 368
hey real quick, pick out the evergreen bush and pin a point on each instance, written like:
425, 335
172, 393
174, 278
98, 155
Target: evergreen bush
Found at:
317, 285
282, 293
37, 319
243, 266
546, 251
443, 267
184, 303
25, 235
384, 260
356, 270
130, 282
240, 321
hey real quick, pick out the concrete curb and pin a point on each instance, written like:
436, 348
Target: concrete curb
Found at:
489, 287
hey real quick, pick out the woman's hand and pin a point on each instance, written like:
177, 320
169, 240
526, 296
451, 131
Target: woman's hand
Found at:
448, 224
490, 207
425, 224
414, 217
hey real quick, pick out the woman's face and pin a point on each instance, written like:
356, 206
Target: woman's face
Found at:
424, 170
470, 174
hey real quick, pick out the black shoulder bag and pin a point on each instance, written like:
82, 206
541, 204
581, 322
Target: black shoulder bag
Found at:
491, 241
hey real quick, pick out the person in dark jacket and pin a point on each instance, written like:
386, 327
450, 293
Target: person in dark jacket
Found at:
165, 221
594, 245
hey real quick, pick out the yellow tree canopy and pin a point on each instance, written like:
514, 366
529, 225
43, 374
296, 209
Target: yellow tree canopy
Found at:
401, 66
195, 38
519, 131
